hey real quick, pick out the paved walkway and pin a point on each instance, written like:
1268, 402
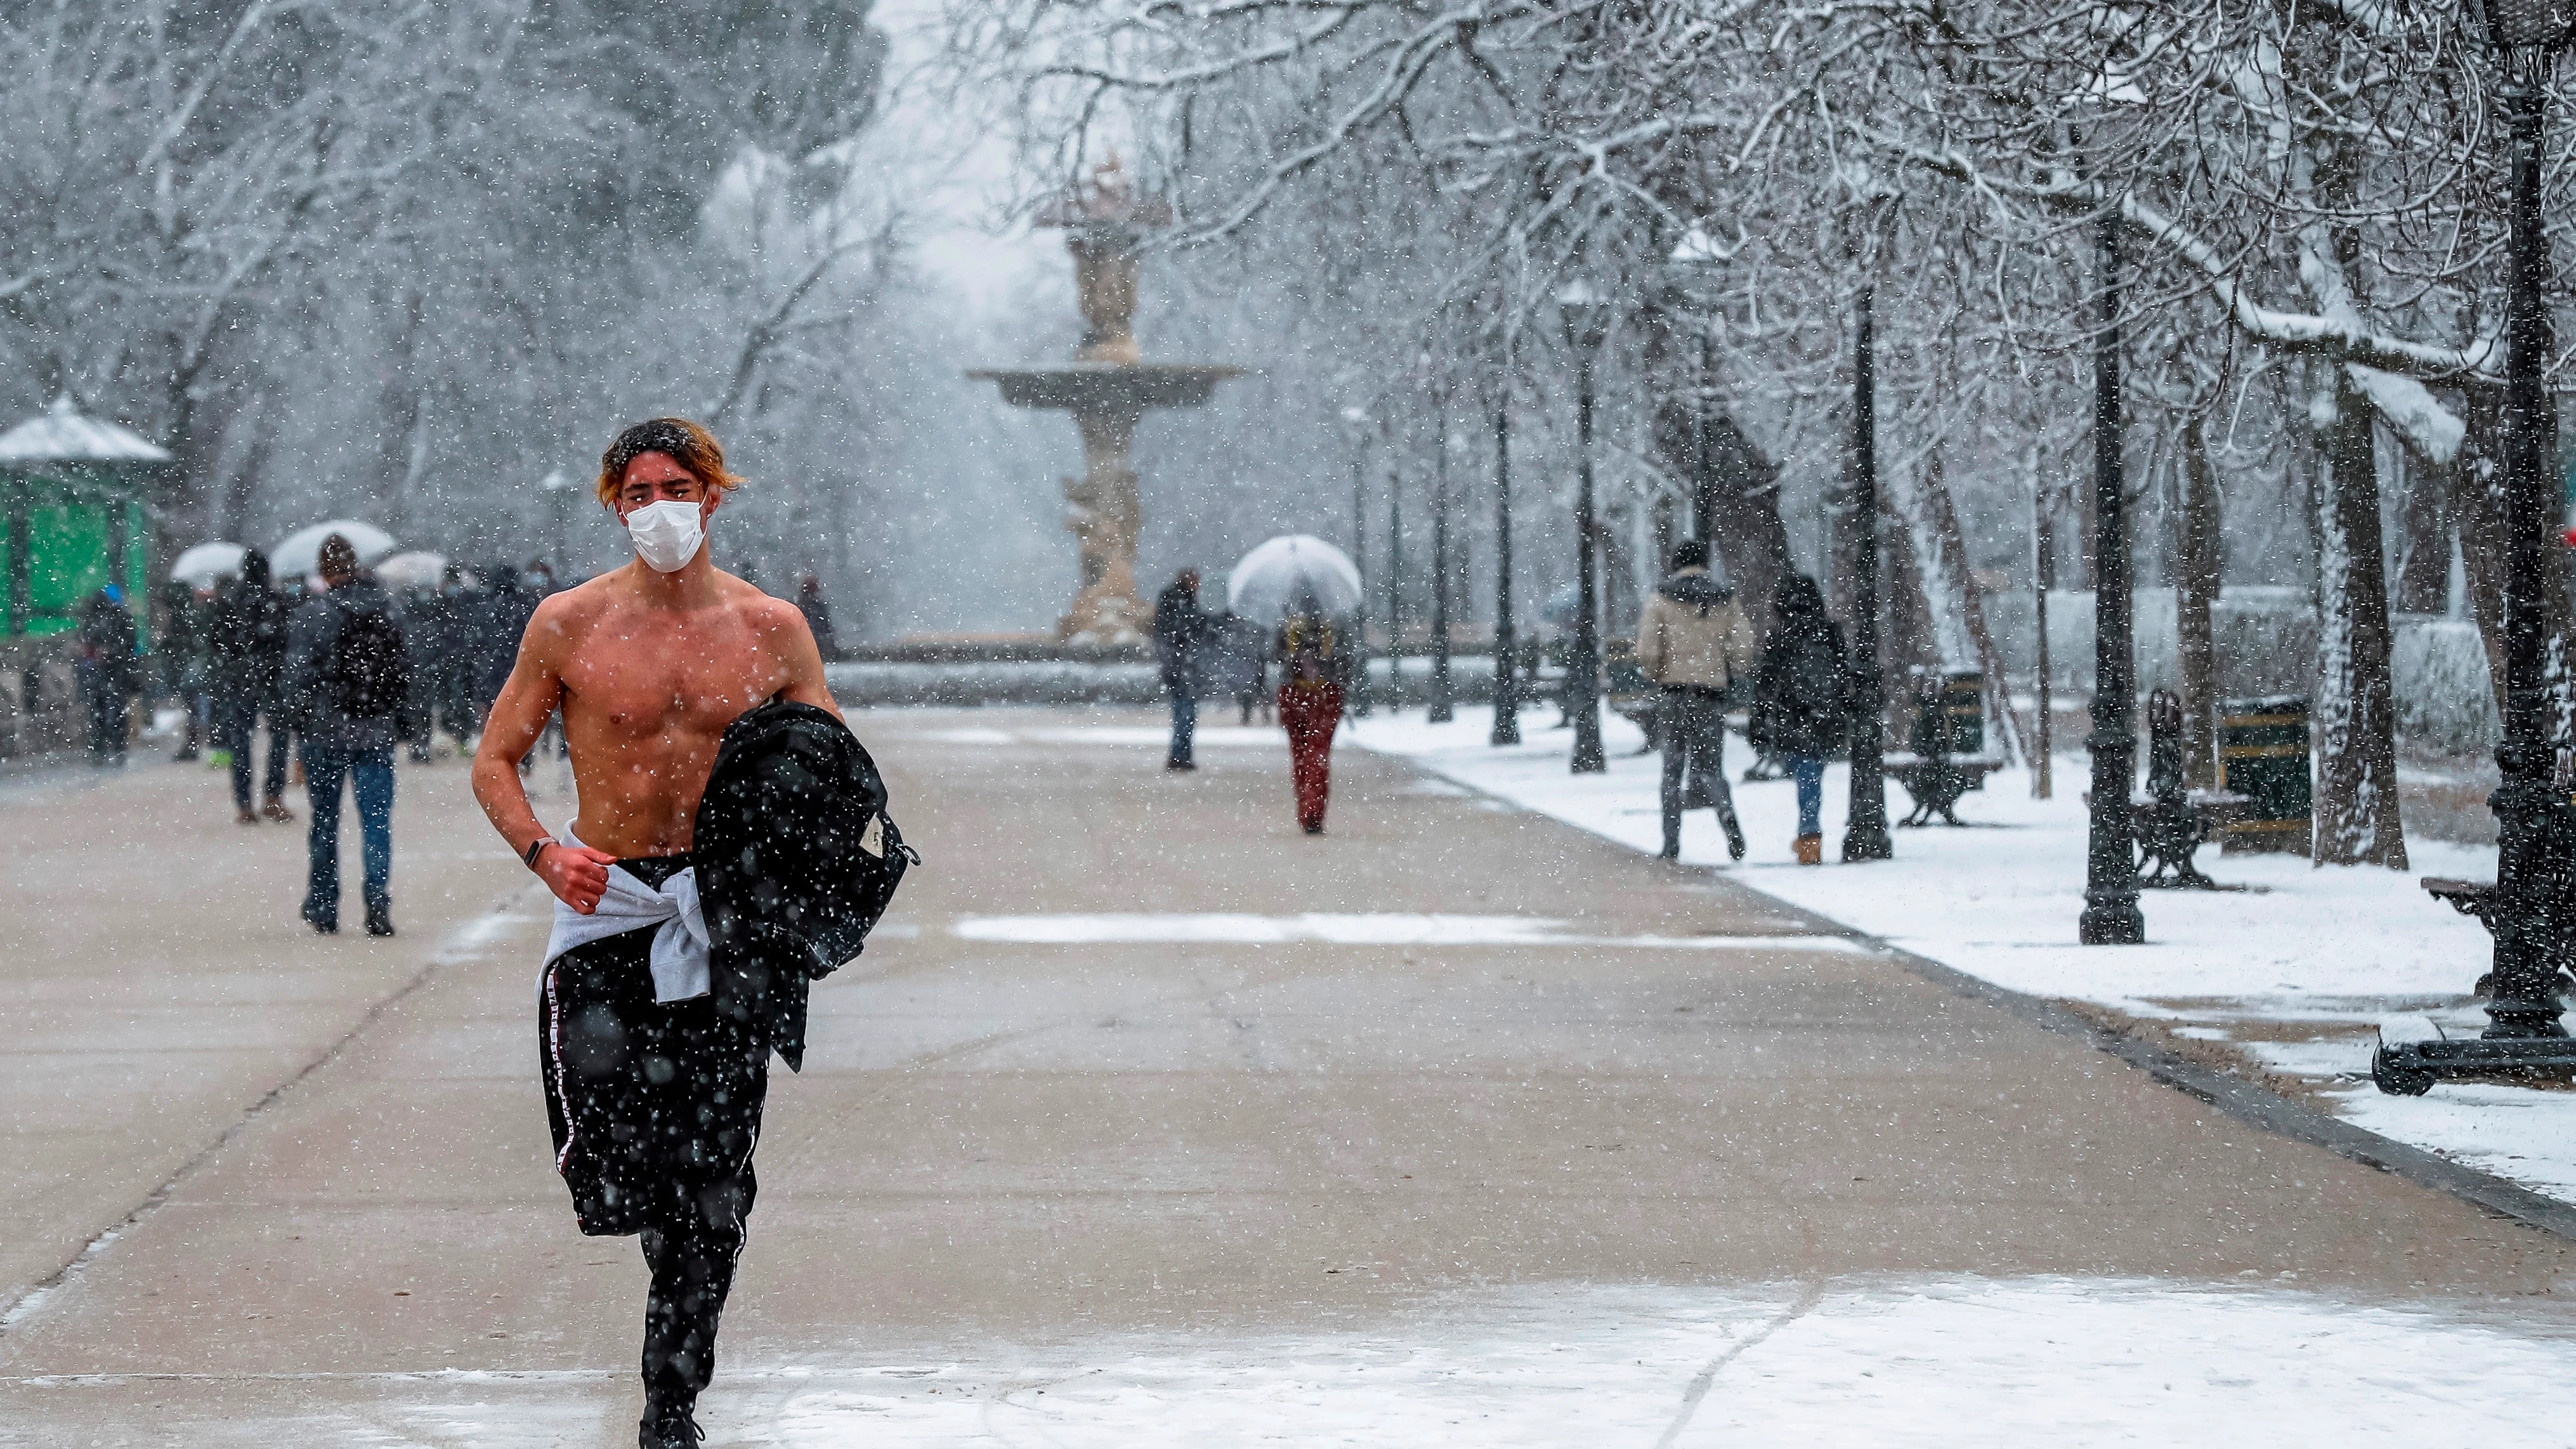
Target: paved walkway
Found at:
1148, 1119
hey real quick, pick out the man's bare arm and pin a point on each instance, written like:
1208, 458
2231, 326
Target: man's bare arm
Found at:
804, 660
577, 875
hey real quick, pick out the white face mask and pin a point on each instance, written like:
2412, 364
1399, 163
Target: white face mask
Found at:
666, 534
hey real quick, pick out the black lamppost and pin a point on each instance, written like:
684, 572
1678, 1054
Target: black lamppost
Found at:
1442, 710
1358, 421
1586, 315
1507, 680
1394, 589
2111, 915
1865, 835
2535, 828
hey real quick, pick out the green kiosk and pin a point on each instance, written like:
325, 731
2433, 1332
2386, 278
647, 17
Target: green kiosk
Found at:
71, 496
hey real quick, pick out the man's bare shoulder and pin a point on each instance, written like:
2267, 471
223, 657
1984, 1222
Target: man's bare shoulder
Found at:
570, 613
763, 612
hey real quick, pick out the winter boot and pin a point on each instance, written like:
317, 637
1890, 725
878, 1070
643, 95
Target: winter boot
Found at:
1734, 835
1811, 849
380, 920
667, 1424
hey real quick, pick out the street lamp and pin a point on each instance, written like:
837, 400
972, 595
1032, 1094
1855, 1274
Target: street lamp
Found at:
1865, 835
2534, 824
1357, 419
1394, 586
1442, 707
2111, 916
1695, 257
1585, 314
1507, 681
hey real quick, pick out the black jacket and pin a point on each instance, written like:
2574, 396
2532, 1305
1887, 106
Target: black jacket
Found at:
312, 636
249, 643
1180, 626
796, 859
1801, 690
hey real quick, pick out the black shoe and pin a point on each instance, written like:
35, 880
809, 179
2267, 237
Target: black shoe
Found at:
1313, 827
380, 920
322, 924
668, 1427
1669, 852
1178, 765
1734, 839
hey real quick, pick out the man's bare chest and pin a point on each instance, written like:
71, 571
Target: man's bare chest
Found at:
639, 683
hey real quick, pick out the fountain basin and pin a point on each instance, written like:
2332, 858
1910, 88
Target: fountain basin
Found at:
1109, 387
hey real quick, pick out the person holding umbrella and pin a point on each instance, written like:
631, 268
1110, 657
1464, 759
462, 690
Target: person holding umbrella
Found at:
1309, 588
1314, 681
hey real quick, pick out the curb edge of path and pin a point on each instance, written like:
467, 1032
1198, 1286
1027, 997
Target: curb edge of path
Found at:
2248, 1102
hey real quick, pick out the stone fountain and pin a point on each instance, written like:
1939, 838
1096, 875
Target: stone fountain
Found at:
1108, 389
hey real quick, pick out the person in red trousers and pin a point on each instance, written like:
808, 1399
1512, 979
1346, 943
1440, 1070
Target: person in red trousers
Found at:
1313, 670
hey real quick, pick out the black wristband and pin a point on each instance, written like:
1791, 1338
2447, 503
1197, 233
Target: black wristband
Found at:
541, 842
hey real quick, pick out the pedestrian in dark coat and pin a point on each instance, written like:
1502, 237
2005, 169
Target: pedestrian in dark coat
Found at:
248, 656
107, 673
344, 685
1238, 655
181, 655
1180, 631
818, 616
426, 640
1802, 700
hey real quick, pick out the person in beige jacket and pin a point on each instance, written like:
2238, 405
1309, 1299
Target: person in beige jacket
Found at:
1694, 642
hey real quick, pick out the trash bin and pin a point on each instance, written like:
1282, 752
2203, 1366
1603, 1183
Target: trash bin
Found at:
1949, 714
2263, 755
1963, 709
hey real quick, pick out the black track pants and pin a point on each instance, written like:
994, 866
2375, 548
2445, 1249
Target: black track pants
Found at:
655, 1110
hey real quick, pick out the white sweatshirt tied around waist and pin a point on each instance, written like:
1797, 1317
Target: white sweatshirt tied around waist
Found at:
680, 952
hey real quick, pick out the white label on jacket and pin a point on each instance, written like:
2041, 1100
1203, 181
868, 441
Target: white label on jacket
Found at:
872, 840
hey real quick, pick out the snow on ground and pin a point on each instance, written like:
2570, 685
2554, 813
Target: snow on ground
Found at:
2040, 1361
2302, 966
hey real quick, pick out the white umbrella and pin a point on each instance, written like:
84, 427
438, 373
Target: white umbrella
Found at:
301, 553
418, 569
1272, 579
201, 567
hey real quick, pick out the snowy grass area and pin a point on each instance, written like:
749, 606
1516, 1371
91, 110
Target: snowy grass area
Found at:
2301, 967
2000, 1362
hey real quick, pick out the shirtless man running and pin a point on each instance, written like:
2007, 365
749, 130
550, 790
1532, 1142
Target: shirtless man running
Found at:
654, 1100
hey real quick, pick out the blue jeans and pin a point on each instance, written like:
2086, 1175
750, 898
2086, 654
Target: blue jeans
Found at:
1810, 775
371, 778
1185, 721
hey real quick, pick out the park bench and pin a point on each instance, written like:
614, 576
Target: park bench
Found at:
2171, 821
2410, 1068
1946, 757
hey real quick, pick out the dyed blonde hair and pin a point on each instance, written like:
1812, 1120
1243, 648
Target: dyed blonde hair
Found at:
683, 442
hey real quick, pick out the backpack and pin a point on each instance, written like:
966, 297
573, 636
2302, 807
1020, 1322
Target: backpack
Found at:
364, 672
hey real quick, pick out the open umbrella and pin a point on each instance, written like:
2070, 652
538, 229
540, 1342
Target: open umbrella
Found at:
418, 569
1272, 579
206, 564
301, 553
